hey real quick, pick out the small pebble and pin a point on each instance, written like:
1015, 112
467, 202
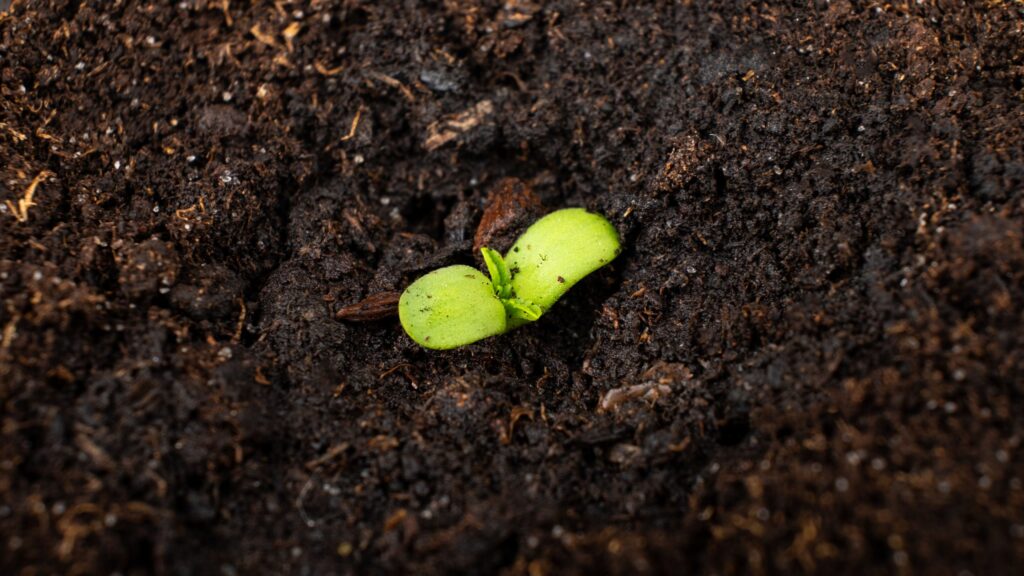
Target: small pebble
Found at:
900, 558
842, 484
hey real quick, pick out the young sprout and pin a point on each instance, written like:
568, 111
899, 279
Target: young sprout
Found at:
458, 305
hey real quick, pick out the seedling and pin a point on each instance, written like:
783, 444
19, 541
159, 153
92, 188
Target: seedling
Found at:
458, 305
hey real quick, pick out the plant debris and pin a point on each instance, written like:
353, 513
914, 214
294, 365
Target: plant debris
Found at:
374, 307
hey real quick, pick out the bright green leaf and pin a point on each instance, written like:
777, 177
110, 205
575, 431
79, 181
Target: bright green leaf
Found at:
520, 311
556, 252
501, 278
451, 307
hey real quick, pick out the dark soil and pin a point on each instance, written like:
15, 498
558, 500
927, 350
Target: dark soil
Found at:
808, 358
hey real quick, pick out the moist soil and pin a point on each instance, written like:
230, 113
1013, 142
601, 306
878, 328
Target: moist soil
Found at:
807, 359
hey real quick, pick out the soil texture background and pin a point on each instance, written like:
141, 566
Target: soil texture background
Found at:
809, 357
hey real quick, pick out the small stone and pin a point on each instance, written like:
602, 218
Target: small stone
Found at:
842, 484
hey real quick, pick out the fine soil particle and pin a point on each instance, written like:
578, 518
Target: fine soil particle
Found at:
807, 359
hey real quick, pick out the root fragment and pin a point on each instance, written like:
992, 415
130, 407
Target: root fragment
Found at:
21, 210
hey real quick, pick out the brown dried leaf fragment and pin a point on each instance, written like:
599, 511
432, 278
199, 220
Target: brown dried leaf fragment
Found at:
324, 70
332, 453
616, 396
20, 211
289, 34
518, 12
262, 36
444, 131
373, 307
511, 204
395, 519
658, 381
394, 83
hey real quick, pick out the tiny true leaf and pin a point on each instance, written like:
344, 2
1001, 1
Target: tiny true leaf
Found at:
520, 309
501, 278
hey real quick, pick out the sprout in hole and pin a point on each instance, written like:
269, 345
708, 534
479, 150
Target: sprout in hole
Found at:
458, 305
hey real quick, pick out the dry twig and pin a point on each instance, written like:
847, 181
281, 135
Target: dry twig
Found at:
21, 210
